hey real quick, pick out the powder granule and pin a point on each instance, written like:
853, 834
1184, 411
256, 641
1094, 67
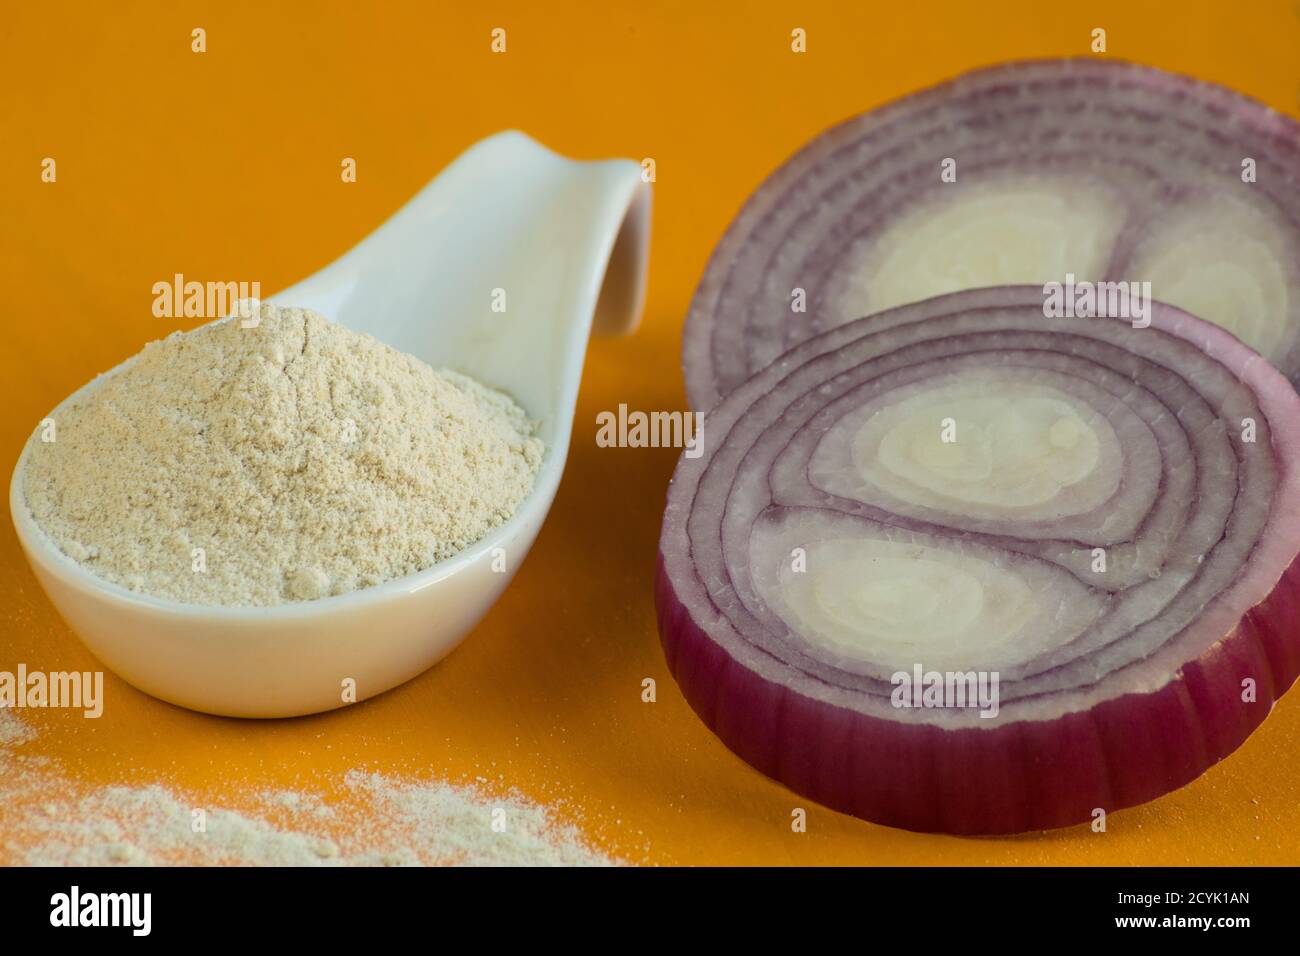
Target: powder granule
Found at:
286, 459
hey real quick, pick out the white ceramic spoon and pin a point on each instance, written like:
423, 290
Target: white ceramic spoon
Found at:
567, 242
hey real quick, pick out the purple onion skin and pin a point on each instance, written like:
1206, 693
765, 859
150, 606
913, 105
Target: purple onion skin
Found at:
1029, 775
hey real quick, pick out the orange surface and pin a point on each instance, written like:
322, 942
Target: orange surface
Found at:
225, 165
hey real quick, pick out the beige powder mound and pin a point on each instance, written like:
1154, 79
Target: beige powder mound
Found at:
303, 459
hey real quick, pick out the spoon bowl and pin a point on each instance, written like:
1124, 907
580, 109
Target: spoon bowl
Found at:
499, 268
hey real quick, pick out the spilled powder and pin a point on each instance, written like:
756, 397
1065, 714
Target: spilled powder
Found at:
379, 821
12, 730
276, 457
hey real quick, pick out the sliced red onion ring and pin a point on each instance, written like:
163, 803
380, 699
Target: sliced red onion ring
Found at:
1104, 518
1102, 170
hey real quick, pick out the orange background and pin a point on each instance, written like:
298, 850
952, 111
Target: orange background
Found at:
225, 166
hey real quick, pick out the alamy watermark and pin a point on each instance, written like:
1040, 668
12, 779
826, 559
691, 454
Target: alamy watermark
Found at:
78, 690
74, 908
189, 299
1088, 300
942, 689
636, 429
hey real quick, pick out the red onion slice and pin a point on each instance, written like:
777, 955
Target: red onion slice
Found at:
1103, 170
1111, 534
